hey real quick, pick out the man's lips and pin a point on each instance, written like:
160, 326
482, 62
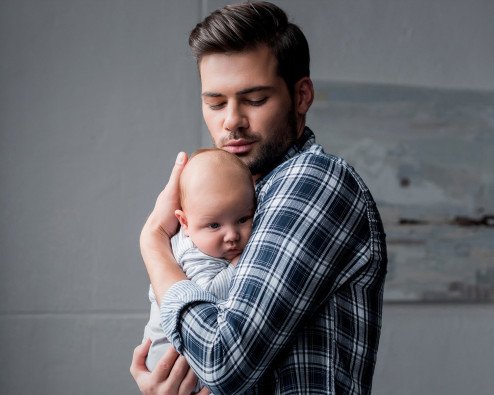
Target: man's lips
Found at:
238, 146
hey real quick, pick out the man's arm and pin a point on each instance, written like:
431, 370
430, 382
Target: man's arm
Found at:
172, 375
160, 226
309, 239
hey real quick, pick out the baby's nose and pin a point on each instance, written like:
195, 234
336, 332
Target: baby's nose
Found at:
232, 234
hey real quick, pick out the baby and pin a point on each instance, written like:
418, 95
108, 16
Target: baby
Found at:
218, 201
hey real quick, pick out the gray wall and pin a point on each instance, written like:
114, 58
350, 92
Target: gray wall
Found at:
96, 99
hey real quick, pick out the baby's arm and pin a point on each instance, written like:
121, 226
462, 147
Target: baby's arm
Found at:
212, 274
219, 285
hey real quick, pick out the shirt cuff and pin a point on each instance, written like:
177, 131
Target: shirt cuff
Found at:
178, 297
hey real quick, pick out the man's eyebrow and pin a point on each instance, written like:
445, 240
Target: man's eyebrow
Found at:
239, 93
254, 89
211, 94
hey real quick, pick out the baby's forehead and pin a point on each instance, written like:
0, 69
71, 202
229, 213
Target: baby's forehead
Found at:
213, 171
207, 158
202, 166
215, 163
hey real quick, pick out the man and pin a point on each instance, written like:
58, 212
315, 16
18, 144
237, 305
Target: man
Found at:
304, 309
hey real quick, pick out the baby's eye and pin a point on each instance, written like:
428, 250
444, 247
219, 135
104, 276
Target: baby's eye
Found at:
214, 225
243, 220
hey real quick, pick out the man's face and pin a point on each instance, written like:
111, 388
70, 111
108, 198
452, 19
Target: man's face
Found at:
247, 107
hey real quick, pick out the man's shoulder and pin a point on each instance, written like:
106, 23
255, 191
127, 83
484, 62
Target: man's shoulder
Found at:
314, 161
313, 166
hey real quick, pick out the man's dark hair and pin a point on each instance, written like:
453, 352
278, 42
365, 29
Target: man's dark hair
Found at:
245, 26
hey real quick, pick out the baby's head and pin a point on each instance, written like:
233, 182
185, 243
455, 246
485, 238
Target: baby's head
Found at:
218, 202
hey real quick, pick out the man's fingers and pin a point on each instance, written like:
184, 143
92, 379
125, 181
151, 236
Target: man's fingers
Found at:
178, 374
165, 365
168, 375
177, 169
138, 364
203, 391
162, 221
188, 383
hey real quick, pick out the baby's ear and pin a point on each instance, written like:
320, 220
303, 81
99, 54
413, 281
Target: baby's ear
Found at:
181, 218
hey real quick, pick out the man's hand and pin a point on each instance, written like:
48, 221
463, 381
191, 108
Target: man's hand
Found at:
157, 231
162, 218
172, 375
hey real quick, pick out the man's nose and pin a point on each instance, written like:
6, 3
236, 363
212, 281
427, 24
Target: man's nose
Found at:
235, 118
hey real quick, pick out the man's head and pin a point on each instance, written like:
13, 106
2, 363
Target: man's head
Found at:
242, 27
218, 203
256, 90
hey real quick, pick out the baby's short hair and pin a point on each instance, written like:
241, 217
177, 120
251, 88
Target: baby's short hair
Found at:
216, 163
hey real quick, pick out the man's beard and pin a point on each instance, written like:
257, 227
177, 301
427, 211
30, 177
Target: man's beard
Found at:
270, 153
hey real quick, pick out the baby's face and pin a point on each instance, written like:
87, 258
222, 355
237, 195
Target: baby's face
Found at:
219, 220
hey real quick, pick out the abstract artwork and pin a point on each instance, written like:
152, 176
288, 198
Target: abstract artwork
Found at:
427, 156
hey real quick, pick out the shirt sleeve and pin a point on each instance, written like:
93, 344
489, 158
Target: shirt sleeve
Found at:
310, 236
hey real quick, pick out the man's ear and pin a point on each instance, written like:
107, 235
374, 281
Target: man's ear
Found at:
182, 219
304, 95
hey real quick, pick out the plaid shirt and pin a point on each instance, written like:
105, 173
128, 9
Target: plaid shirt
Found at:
304, 310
